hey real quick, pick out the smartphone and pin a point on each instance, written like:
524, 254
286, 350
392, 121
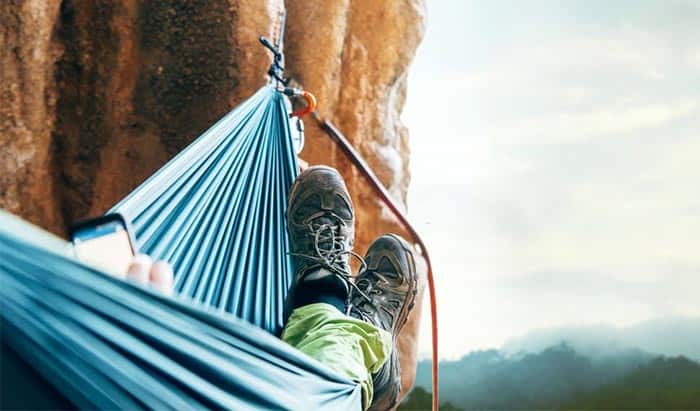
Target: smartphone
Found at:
104, 242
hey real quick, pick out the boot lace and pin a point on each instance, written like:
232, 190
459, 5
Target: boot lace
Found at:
368, 288
330, 247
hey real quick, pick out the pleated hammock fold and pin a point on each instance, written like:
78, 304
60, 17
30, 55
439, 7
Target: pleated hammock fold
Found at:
216, 212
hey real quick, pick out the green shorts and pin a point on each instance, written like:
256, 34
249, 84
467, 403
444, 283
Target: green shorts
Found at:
350, 346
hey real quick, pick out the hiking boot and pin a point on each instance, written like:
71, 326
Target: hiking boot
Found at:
385, 294
321, 226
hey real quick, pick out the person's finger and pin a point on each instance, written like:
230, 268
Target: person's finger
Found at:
161, 276
139, 269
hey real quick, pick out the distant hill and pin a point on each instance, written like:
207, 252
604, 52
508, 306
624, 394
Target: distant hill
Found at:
577, 367
664, 383
559, 378
492, 380
661, 383
671, 337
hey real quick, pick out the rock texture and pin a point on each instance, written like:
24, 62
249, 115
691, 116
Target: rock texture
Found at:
96, 95
354, 55
28, 54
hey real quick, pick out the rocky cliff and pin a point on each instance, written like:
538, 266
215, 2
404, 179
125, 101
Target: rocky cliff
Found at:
96, 95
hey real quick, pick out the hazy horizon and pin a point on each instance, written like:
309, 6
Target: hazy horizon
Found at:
554, 158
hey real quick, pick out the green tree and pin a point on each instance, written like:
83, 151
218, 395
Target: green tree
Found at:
664, 383
421, 400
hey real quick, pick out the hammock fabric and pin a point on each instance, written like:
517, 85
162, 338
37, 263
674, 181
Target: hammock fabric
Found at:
216, 212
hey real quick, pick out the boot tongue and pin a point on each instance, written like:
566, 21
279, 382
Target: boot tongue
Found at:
327, 220
326, 228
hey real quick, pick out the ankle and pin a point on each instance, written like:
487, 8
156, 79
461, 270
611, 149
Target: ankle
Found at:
332, 300
322, 286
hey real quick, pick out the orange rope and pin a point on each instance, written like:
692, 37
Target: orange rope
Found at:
357, 160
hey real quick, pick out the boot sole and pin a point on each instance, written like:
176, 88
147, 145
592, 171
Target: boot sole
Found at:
395, 364
412, 278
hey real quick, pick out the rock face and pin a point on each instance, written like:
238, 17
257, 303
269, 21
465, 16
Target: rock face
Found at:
96, 95
28, 55
354, 56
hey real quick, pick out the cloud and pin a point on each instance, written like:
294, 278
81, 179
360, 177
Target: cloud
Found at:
600, 340
607, 121
554, 153
567, 89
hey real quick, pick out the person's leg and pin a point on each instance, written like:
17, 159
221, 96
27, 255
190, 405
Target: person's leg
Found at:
320, 220
385, 295
347, 345
321, 225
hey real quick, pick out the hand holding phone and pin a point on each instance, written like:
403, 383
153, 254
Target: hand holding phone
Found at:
157, 274
104, 242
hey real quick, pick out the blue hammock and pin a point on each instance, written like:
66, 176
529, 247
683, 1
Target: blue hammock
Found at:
216, 212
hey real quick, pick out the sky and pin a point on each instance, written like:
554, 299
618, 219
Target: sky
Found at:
556, 164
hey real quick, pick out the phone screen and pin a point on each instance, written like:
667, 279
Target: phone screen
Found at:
106, 246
